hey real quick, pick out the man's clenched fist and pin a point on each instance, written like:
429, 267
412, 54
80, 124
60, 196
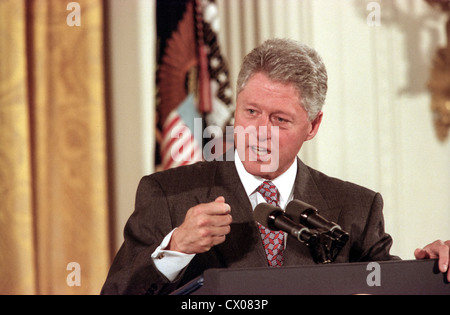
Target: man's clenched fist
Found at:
204, 226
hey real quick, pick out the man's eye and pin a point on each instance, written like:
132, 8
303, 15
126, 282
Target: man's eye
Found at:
251, 111
279, 119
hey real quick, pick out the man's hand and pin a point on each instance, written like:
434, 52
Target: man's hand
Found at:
204, 226
437, 249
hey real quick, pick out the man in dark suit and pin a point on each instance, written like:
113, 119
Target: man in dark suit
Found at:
197, 217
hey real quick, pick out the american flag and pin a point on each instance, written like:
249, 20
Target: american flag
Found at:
179, 146
192, 80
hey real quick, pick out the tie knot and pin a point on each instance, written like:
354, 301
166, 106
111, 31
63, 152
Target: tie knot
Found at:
270, 193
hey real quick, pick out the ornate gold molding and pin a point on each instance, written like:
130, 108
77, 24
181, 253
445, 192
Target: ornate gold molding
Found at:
439, 82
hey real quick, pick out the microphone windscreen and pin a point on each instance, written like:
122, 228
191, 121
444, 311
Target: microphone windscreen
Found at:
262, 213
295, 208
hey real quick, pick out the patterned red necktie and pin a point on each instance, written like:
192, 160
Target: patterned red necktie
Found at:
273, 241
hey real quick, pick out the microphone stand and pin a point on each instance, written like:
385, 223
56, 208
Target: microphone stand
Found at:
325, 247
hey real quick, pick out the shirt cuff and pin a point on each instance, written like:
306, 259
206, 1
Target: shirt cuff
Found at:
169, 262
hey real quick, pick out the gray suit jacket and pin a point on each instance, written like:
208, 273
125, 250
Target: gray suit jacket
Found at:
162, 201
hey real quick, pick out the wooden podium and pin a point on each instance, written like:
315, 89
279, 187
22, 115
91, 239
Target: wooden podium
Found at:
409, 277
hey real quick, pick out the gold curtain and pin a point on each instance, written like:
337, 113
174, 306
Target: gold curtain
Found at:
53, 161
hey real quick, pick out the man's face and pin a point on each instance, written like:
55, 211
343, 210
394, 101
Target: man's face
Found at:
264, 104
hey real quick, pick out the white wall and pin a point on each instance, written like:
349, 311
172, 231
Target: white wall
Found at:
377, 130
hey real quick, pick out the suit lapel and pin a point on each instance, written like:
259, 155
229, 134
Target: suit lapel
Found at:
306, 189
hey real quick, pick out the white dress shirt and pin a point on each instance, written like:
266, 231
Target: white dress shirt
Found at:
284, 184
170, 263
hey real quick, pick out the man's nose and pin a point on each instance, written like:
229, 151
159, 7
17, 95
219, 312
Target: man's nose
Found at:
263, 128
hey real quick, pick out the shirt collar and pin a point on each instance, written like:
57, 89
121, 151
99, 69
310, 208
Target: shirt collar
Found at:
284, 182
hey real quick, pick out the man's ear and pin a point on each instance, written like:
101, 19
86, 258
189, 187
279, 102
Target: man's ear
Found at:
315, 124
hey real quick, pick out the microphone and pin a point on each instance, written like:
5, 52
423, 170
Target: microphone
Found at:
306, 214
275, 219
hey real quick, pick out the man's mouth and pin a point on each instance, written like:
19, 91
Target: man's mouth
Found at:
259, 151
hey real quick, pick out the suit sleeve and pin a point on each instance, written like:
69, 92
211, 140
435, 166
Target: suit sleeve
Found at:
133, 270
374, 243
